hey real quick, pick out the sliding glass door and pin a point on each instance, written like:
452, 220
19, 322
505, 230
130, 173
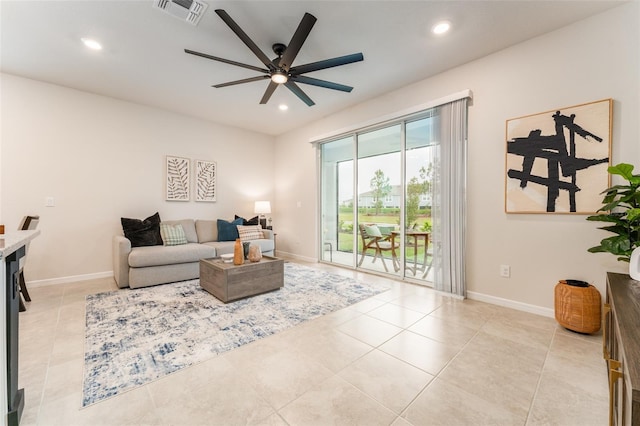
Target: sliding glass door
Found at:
376, 199
393, 197
420, 170
337, 170
379, 183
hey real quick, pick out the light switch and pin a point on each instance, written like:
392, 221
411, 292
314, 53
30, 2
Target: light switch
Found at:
49, 202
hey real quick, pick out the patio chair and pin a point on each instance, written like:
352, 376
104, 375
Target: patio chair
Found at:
372, 239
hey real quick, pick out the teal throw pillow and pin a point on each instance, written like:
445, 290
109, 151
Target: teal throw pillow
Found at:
173, 235
228, 231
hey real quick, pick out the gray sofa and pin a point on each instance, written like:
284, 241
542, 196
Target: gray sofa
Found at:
145, 266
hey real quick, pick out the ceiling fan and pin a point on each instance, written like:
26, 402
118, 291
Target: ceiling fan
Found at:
280, 70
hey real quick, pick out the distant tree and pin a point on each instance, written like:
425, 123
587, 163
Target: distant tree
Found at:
381, 188
415, 188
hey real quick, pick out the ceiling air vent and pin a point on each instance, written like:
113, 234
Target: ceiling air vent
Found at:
187, 10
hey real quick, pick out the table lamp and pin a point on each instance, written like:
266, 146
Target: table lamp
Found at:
261, 208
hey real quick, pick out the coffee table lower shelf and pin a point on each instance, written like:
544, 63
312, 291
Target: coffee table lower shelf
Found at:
229, 282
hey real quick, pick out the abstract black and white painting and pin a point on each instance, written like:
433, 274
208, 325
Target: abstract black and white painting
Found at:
177, 178
205, 180
557, 160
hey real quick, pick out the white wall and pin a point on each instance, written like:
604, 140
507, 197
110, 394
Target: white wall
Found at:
102, 159
591, 60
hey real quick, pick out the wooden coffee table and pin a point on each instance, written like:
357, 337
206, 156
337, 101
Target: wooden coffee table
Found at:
229, 282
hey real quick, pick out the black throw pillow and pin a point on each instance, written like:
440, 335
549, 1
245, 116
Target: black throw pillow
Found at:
142, 232
253, 221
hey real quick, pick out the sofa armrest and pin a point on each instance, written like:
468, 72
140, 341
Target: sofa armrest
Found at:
121, 250
268, 234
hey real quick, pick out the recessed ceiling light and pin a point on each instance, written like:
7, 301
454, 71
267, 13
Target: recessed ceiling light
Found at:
283, 107
441, 27
91, 44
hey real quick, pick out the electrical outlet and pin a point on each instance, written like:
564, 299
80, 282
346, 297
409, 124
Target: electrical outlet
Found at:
49, 202
505, 271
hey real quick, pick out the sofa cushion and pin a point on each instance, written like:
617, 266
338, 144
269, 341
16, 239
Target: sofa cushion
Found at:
207, 230
228, 231
253, 221
142, 232
167, 255
189, 227
221, 247
248, 233
172, 235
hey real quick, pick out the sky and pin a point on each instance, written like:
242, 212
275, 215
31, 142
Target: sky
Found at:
388, 163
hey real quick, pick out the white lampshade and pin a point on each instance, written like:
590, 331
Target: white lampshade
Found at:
262, 207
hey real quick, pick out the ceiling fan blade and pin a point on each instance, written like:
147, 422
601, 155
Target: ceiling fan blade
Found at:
226, 61
299, 93
244, 37
267, 93
244, 80
327, 63
321, 83
298, 39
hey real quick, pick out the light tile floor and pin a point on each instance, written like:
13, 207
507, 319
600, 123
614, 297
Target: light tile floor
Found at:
408, 356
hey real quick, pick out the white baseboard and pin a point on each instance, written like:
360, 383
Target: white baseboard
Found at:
539, 310
70, 279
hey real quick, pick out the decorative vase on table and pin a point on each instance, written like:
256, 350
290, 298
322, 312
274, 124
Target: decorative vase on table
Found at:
255, 254
238, 253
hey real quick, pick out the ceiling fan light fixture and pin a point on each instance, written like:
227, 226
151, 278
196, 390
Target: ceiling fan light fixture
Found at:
279, 77
283, 107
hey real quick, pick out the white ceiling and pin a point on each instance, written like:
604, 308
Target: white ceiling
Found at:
143, 59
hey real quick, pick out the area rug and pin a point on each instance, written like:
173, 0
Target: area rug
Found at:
136, 336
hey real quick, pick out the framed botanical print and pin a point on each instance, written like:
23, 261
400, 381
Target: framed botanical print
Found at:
177, 178
205, 180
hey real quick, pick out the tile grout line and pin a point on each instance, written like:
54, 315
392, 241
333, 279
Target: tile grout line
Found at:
537, 388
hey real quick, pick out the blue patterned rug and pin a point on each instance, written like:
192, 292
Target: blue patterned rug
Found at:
136, 336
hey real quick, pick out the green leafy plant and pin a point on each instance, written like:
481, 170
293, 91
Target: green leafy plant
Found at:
622, 210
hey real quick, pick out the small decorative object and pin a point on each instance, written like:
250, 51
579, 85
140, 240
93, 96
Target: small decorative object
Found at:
621, 211
634, 264
227, 257
205, 180
245, 249
178, 176
238, 253
577, 306
557, 160
255, 254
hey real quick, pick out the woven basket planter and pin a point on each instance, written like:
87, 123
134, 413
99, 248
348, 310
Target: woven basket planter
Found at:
577, 306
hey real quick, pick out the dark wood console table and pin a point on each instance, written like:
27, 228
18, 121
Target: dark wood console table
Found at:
12, 248
621, 348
